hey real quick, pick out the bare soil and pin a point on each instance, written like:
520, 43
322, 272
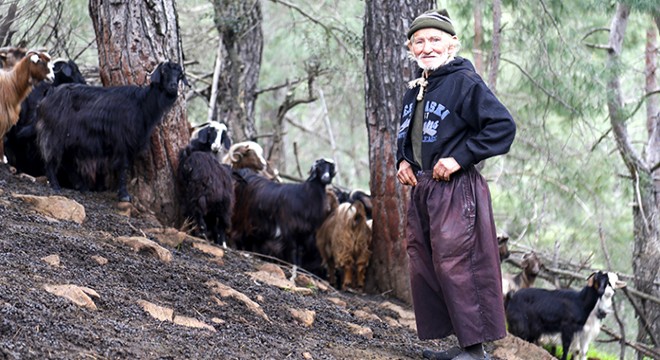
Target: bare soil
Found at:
35, 324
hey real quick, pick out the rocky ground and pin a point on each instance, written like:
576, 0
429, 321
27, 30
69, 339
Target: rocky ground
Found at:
109, 283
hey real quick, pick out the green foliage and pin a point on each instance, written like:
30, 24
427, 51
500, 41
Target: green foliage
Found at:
291, 44
61, 27
562, 183
558, 351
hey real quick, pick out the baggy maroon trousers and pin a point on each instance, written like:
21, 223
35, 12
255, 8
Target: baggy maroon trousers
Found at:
455, 274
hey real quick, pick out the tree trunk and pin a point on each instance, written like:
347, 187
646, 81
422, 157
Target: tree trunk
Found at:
652, 159
239, 24
495, 54
387, 71
133, 37
6, 22
646, 251
477, 50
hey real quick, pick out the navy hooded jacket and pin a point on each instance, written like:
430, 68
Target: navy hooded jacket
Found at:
462, 119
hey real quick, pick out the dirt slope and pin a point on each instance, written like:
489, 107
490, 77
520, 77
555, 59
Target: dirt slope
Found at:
128, 304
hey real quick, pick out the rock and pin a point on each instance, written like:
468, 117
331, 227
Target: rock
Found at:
337, 301
218, 301
366, 315
392, 322
309, 282
125, 208
514, 348
100, 259
406, 317
360, 330
144, 245
305, 281
24, 176
57, 207
209, 249
226, 291
168, 236
218, 321
52, 260
79, 295
192, 322
166, 314
159, 312
305, 317
273, 269
277, 281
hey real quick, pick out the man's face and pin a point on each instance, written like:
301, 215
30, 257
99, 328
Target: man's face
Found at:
430, 47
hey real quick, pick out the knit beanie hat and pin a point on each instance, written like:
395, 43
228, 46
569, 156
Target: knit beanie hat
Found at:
438, 19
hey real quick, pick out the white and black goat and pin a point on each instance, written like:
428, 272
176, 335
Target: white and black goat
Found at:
103, 129
592, 326
16, 85
533, 312
591, 329
281, 219
21, 146
211, 137
206, 187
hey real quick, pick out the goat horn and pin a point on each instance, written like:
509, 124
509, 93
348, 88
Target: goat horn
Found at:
235, 156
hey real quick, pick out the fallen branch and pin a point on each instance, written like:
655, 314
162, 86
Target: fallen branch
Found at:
637, 346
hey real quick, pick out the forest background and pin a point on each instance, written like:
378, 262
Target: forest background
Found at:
571, 189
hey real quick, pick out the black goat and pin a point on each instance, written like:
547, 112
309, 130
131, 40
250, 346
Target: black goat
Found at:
21, 146
281, 219
533, 312
104, 129
207, 192
352, 196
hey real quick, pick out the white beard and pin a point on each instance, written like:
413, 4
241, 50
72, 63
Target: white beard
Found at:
436, 63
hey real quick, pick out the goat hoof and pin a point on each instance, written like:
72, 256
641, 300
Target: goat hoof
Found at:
125, 198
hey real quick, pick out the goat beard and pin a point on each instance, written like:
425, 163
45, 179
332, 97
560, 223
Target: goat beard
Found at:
444, 59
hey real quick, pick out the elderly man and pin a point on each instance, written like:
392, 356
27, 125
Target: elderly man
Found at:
450, 121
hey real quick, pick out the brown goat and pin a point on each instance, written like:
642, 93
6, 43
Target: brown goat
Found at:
503, 246
344, 241
250, 155
16, 85
9, 56
531, 266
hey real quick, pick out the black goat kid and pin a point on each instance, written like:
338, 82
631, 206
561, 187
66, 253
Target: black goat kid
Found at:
533, 312
281, 219
104, 129
207, 192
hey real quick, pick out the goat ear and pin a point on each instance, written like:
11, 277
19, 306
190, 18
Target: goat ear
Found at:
619, 284
203, 135
357, 219
155, 75
183, 78
67, 71
226, 141
590, 280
